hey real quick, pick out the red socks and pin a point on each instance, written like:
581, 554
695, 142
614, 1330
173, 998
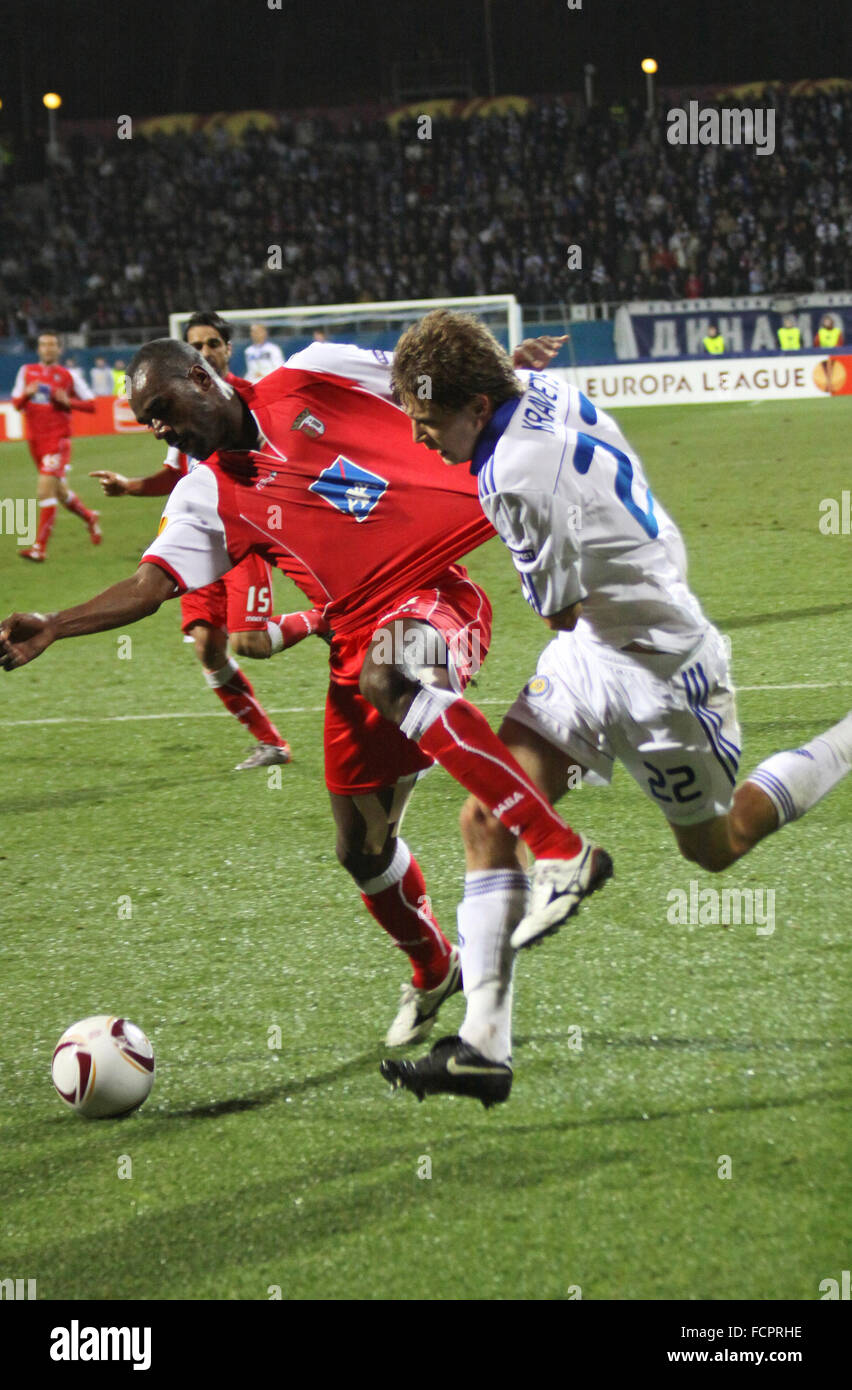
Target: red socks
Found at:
46, 518
73, 503
458, 736
399, 902
289, 628
237, 695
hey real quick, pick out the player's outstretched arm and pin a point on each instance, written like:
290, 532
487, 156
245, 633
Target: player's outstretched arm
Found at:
24, 636
155, 485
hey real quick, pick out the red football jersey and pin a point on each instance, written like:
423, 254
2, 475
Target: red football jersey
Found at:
48, 423
336, 494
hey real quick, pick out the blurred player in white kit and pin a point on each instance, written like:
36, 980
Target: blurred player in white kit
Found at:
262, 355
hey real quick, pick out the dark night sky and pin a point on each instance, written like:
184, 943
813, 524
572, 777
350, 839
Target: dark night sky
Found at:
204, 55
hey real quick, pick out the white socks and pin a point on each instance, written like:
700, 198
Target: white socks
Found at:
494, 903
276, 638
796, 780
222, 677
427, 706
394, 873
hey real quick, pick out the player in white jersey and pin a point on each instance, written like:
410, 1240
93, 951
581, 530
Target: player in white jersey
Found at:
636, 671
262, 355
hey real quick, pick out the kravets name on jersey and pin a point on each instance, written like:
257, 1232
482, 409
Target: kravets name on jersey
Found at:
569, 497
356, 514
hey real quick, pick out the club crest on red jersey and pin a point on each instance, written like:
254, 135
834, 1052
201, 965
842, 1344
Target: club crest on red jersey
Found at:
308, 424
350, 488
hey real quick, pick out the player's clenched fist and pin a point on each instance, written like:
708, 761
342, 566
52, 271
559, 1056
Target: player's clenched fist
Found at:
113, 484
23, 637
536, 353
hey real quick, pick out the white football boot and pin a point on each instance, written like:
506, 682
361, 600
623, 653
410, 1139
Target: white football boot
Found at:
419, 1007
557, 887
266, 755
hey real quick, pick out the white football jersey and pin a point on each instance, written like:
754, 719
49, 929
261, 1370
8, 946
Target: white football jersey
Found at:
261, 359
569, 497
181, 463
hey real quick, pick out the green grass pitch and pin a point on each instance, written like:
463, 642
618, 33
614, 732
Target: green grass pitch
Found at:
254, 1166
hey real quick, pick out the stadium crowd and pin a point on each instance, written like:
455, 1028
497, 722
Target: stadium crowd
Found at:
125, 230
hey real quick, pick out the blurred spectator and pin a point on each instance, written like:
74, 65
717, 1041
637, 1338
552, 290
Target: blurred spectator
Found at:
789, 335
102, 383
169, 221
714, 343
80, 383
829, 334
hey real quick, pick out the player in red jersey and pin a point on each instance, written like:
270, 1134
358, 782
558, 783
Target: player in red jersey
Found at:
322, 478
46, 393
238, 607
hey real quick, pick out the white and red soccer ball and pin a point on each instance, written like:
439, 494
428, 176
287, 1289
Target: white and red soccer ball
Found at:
103, 1066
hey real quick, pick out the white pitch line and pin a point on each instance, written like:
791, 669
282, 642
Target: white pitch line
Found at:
799, 685
318, 709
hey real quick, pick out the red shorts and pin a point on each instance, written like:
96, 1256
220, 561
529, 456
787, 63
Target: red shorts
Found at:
52, 458
241, 601
364, 751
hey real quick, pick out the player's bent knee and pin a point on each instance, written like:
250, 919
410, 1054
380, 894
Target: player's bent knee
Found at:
212, 655
710, 856
476, 822
251, 644
704, 859
487, 843
358, 864
211, 645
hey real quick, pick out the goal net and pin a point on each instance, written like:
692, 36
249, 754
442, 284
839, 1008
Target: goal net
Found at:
365, 325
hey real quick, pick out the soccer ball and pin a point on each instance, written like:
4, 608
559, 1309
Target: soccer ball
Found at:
103, 1066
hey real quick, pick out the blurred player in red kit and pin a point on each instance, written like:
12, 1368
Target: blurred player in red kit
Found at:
237, 607
46, 393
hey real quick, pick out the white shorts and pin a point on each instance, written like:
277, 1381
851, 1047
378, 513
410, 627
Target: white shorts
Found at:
677, 734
